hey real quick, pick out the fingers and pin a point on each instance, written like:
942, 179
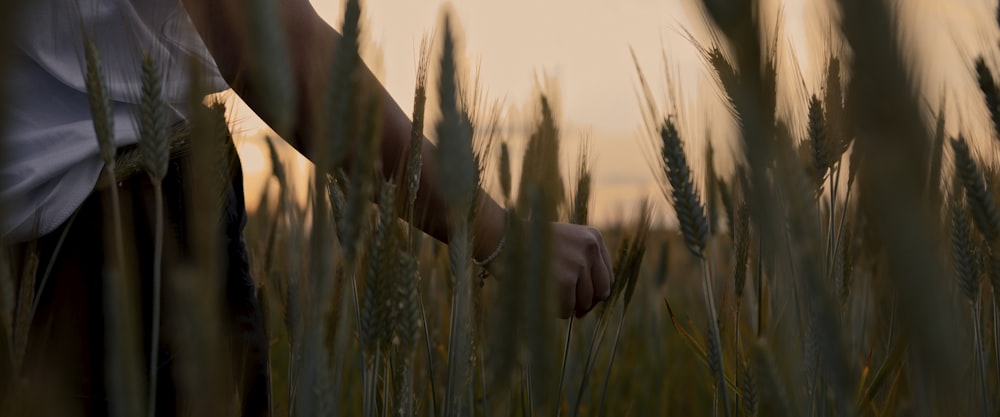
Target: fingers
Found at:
584, 292
583, 270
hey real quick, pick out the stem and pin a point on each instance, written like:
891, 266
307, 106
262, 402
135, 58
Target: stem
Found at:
48, 268
562, 370
406, 398
342, 333
482, 380
595, 343
736, 336
370, 380
996, 335
352, 266
412, 237
430, 356
471, 396
759, 282
525, 406
607, 374
843, 222
831, 237
795, 286
385, 385
713, 326
117, 218
292, 381
980, 355
458, 339
530, 401
118, 306
157, 281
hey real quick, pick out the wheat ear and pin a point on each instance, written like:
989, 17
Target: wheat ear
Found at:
991, 96
985, 214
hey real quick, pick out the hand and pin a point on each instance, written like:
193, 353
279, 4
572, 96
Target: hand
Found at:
581, 268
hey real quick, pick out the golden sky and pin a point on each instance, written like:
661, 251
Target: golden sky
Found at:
584, 46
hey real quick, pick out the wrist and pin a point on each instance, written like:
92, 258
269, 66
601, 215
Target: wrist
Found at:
490, 230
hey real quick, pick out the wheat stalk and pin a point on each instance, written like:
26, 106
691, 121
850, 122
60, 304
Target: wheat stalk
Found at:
741, 243
458, 170
838, 141
728, 204
893, 138
694, 228
541, 192
123, 372
347, 107
155, 149
711, 187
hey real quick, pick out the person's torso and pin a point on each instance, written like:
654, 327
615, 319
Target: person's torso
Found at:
50, 153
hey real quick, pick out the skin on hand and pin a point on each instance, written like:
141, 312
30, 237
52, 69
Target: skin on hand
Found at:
581, 265
581, 268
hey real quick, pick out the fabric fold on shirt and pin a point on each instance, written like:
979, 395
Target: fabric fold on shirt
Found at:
51, 157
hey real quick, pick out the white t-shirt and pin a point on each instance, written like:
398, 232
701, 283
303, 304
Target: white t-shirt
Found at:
51, 159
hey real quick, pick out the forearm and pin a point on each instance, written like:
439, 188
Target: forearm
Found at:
430, 208
311, 47
430, 211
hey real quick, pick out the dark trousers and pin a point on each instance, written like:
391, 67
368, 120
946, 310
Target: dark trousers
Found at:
65, 369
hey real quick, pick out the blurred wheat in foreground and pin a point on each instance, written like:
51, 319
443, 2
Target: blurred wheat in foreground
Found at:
852, 271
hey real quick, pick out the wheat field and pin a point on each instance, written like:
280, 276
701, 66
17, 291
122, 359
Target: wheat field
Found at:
854, 270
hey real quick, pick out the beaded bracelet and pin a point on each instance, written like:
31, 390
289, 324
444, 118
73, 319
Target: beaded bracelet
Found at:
496, 252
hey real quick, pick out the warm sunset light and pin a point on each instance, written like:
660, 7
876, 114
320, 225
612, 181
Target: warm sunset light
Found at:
474, 208
584, 47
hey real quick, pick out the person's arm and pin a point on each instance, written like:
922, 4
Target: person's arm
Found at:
582, 266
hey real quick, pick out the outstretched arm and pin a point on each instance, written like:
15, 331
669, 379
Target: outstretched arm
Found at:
582, 266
